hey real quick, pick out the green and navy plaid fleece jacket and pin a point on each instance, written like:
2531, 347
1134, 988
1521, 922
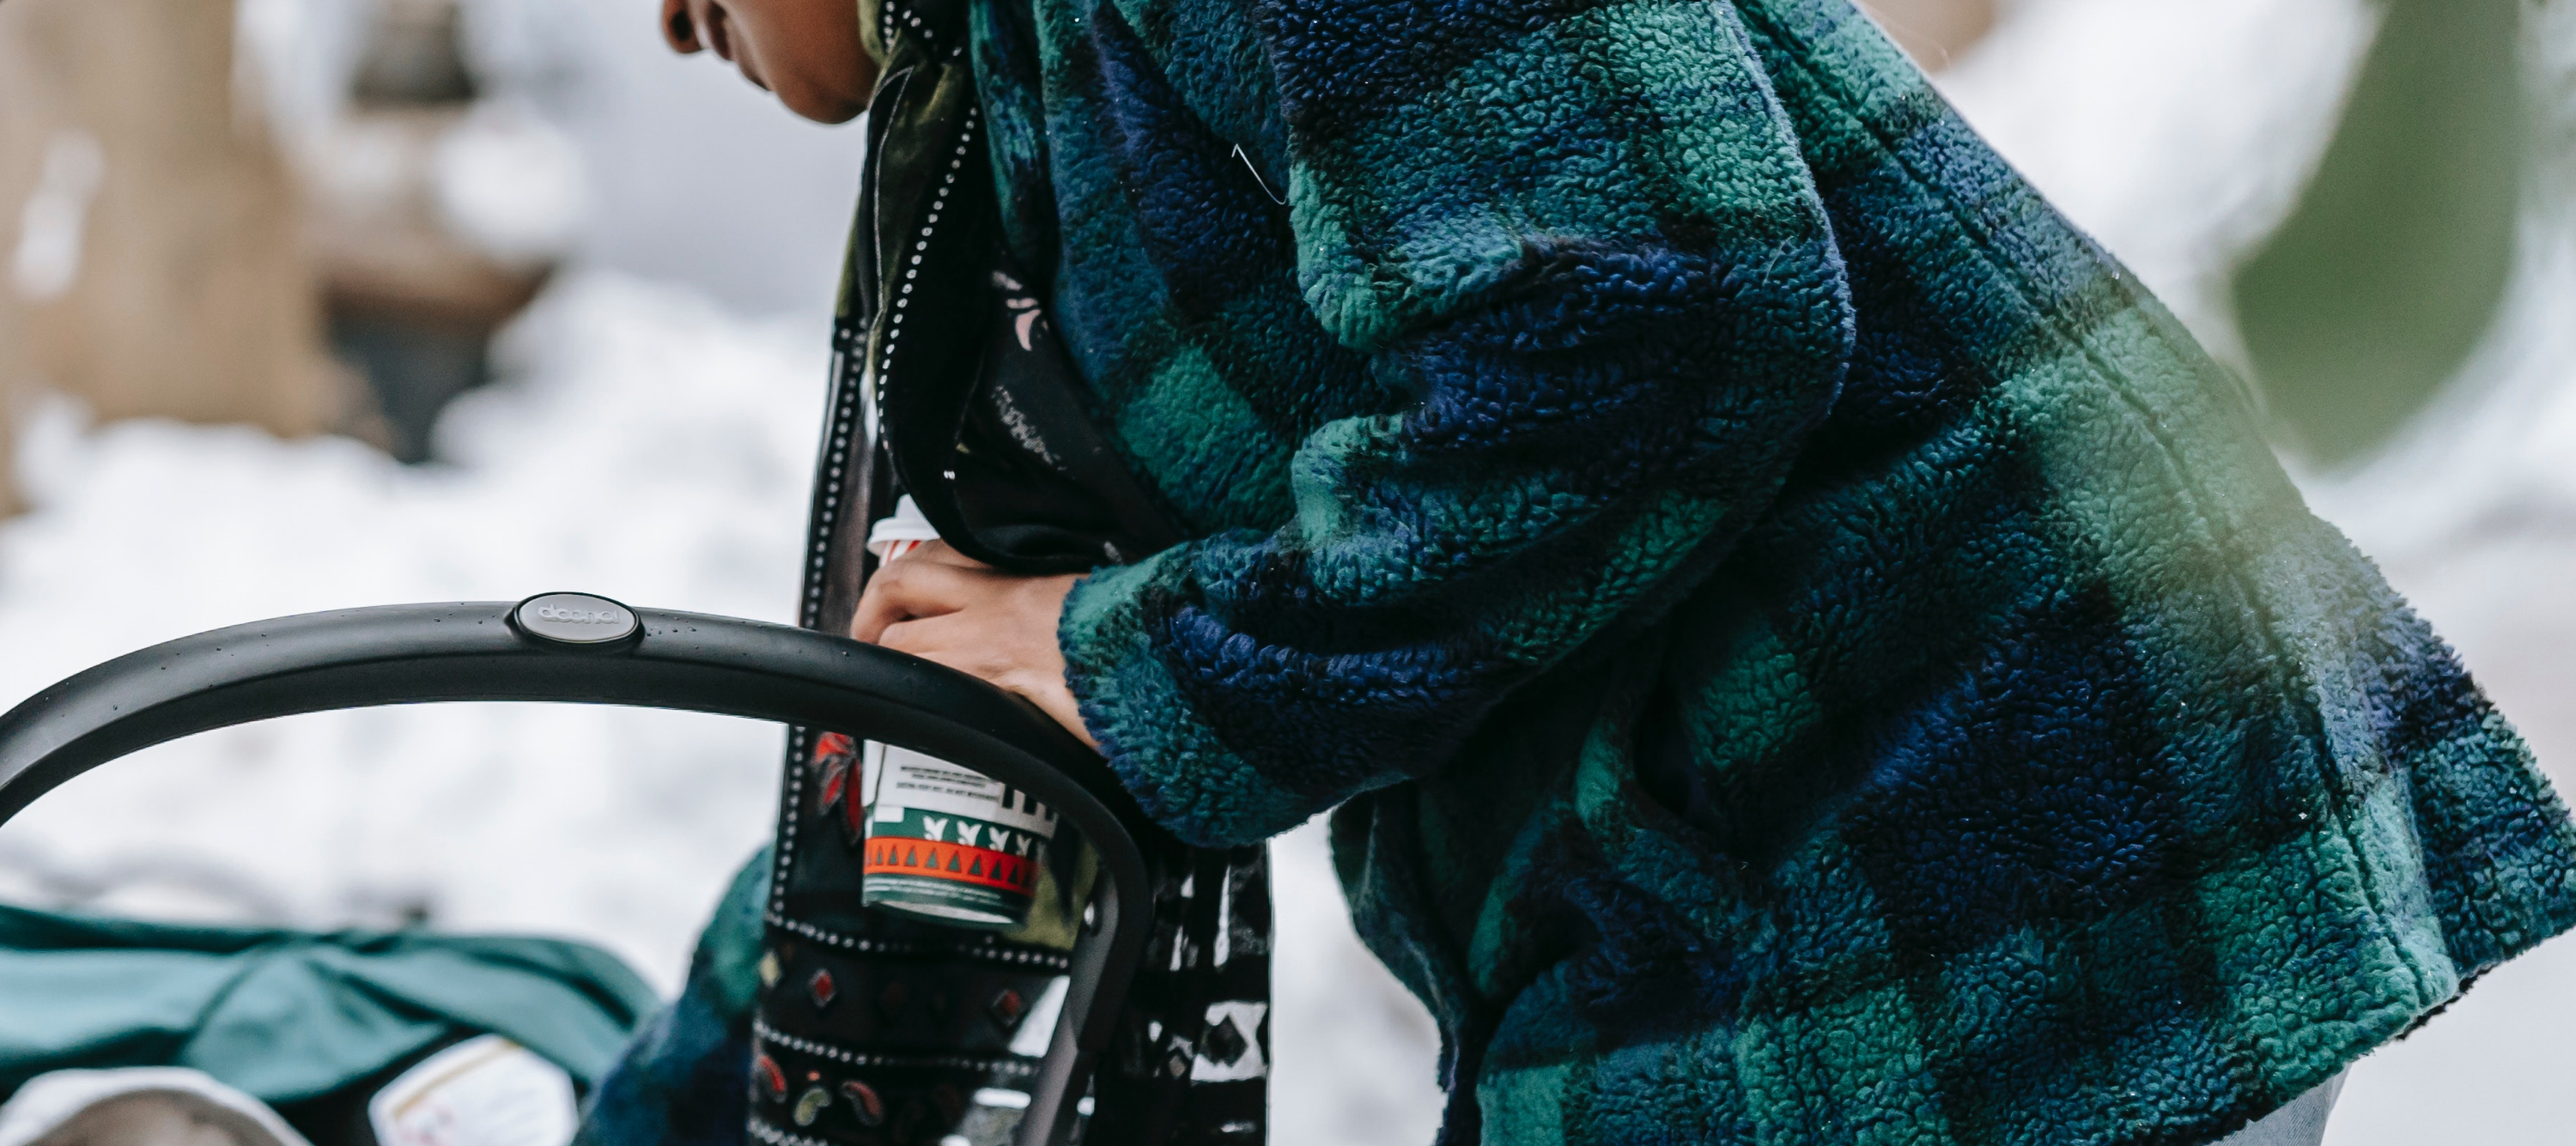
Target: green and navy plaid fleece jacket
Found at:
1806, 649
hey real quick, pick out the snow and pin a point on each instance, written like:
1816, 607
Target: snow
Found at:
686, 172
47, 259
650, 448
511, 184
2179, 132
1353, 1056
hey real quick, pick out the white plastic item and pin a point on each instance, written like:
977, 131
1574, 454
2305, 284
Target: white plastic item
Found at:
157, 1104
485, 1091
900, 532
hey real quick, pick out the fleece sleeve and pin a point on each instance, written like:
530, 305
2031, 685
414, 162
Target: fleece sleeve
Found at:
1581, 239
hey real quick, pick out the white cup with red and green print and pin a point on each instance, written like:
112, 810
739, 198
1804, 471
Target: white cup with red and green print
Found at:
950, 843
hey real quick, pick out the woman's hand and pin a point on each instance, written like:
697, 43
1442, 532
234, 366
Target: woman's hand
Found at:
939, 605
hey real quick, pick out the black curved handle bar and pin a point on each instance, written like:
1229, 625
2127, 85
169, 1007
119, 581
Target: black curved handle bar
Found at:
411, 654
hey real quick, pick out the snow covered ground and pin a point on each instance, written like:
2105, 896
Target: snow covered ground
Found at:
652, 449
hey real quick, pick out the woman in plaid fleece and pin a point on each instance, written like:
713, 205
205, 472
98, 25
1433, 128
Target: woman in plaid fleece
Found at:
1802, 646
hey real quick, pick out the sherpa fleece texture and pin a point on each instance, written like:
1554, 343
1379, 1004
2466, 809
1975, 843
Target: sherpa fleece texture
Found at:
685, 1078
1813, 651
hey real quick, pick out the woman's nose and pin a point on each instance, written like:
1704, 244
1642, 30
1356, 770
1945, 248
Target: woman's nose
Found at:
679, 29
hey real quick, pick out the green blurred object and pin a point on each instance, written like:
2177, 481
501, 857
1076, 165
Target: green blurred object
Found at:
290, 1015
2390, 269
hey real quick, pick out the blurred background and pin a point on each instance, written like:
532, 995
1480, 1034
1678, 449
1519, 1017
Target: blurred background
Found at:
312, 303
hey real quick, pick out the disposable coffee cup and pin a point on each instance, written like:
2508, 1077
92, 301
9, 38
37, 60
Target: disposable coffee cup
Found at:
950, 843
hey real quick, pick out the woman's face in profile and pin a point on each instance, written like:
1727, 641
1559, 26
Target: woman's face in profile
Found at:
806, 52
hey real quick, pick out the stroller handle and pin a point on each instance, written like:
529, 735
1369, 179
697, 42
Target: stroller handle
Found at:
482, 651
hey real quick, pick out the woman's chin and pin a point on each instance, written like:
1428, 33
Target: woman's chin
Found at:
827, 109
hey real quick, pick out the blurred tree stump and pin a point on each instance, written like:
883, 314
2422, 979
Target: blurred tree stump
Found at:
149, 226
412, 301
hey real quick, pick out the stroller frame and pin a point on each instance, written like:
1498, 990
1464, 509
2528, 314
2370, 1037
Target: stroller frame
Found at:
479, 651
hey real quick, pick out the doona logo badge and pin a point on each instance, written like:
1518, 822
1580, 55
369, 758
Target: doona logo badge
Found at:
578, 616
574, 619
